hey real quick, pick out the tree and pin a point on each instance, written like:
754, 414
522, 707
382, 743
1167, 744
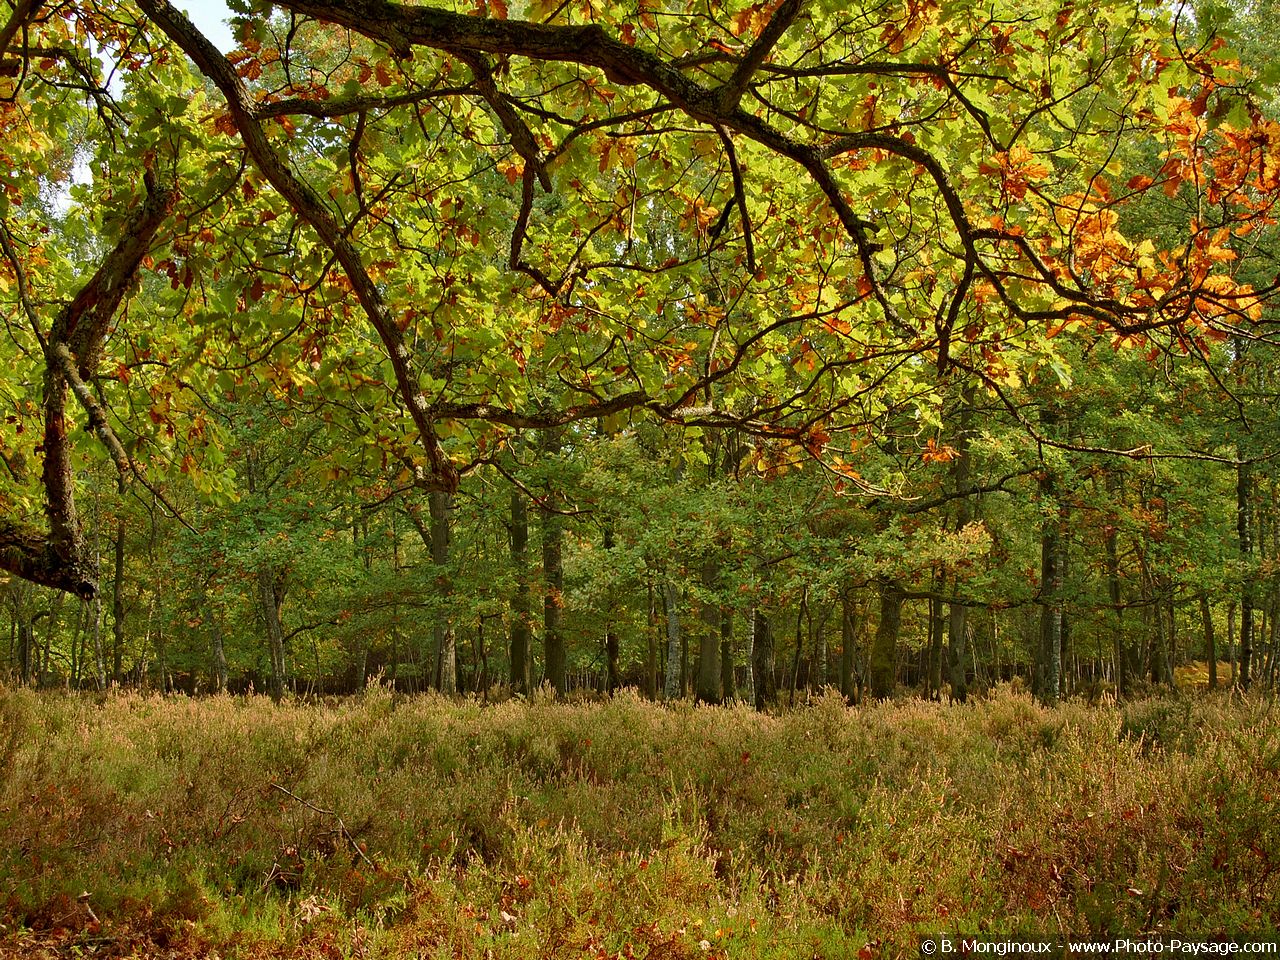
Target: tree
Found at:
946, 179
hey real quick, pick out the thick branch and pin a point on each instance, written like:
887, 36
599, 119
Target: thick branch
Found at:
311, 208
59, 558
756, 54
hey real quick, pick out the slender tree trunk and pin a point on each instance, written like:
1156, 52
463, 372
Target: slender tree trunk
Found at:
1211, 647
1244, 528
270, 600
883, 666
748, 656
1049, 665
1274, 636
795, 663
1064, 637
708, 681
933, 683
848, 643
671, 689
958, 613
78, 644
553, 581
26, 648
651, 652
117, 603
613, 679
1231, 640
219, 654
99, 665
521, 629
726, 655
444, 634
1114, 489
482, 658
764, 675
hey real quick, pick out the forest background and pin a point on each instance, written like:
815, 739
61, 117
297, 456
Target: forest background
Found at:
924, 346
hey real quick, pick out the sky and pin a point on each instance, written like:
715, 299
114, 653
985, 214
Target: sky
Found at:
210, 16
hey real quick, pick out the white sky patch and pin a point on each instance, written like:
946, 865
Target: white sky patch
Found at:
211, 17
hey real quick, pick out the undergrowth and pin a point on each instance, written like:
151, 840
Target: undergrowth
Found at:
391, 827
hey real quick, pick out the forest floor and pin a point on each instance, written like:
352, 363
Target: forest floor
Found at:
385, 827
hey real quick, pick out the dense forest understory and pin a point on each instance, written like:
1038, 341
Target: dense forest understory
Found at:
392, 826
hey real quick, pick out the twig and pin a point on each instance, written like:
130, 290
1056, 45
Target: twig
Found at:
328, 813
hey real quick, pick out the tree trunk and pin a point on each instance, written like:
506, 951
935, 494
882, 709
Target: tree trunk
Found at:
764, 678
748, 656
444, 634
26, 648
1210, 644
1114, 489
708, 680
848, 644
99, 664
671, 688
651, 653
1244, 528
883, 662
219, 655
795, 662
117, 603
726, 655
933, 684
270, 600
1049, 665
521, 628
957, 613
553, 581
1231, 640
613, 679
1274, 637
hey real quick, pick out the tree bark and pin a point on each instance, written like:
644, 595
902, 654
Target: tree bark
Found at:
708, 673
1110, 537
552, 603
671, 688
958, 613
1244, 530
1210, 644
446, 643
883, 662
521, 628
219, 655
726, 655
270, 599
764, 675
933, 684
848, 642
1049, 659
117, 603
26, 649
651, 651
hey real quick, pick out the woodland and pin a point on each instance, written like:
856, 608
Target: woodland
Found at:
720, 350
731, 454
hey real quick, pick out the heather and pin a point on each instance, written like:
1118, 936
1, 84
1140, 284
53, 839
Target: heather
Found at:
392, 826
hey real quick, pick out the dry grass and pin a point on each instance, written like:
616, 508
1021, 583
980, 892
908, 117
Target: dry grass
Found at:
623, 829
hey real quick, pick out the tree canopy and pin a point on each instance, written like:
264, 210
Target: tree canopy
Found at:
412, 237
